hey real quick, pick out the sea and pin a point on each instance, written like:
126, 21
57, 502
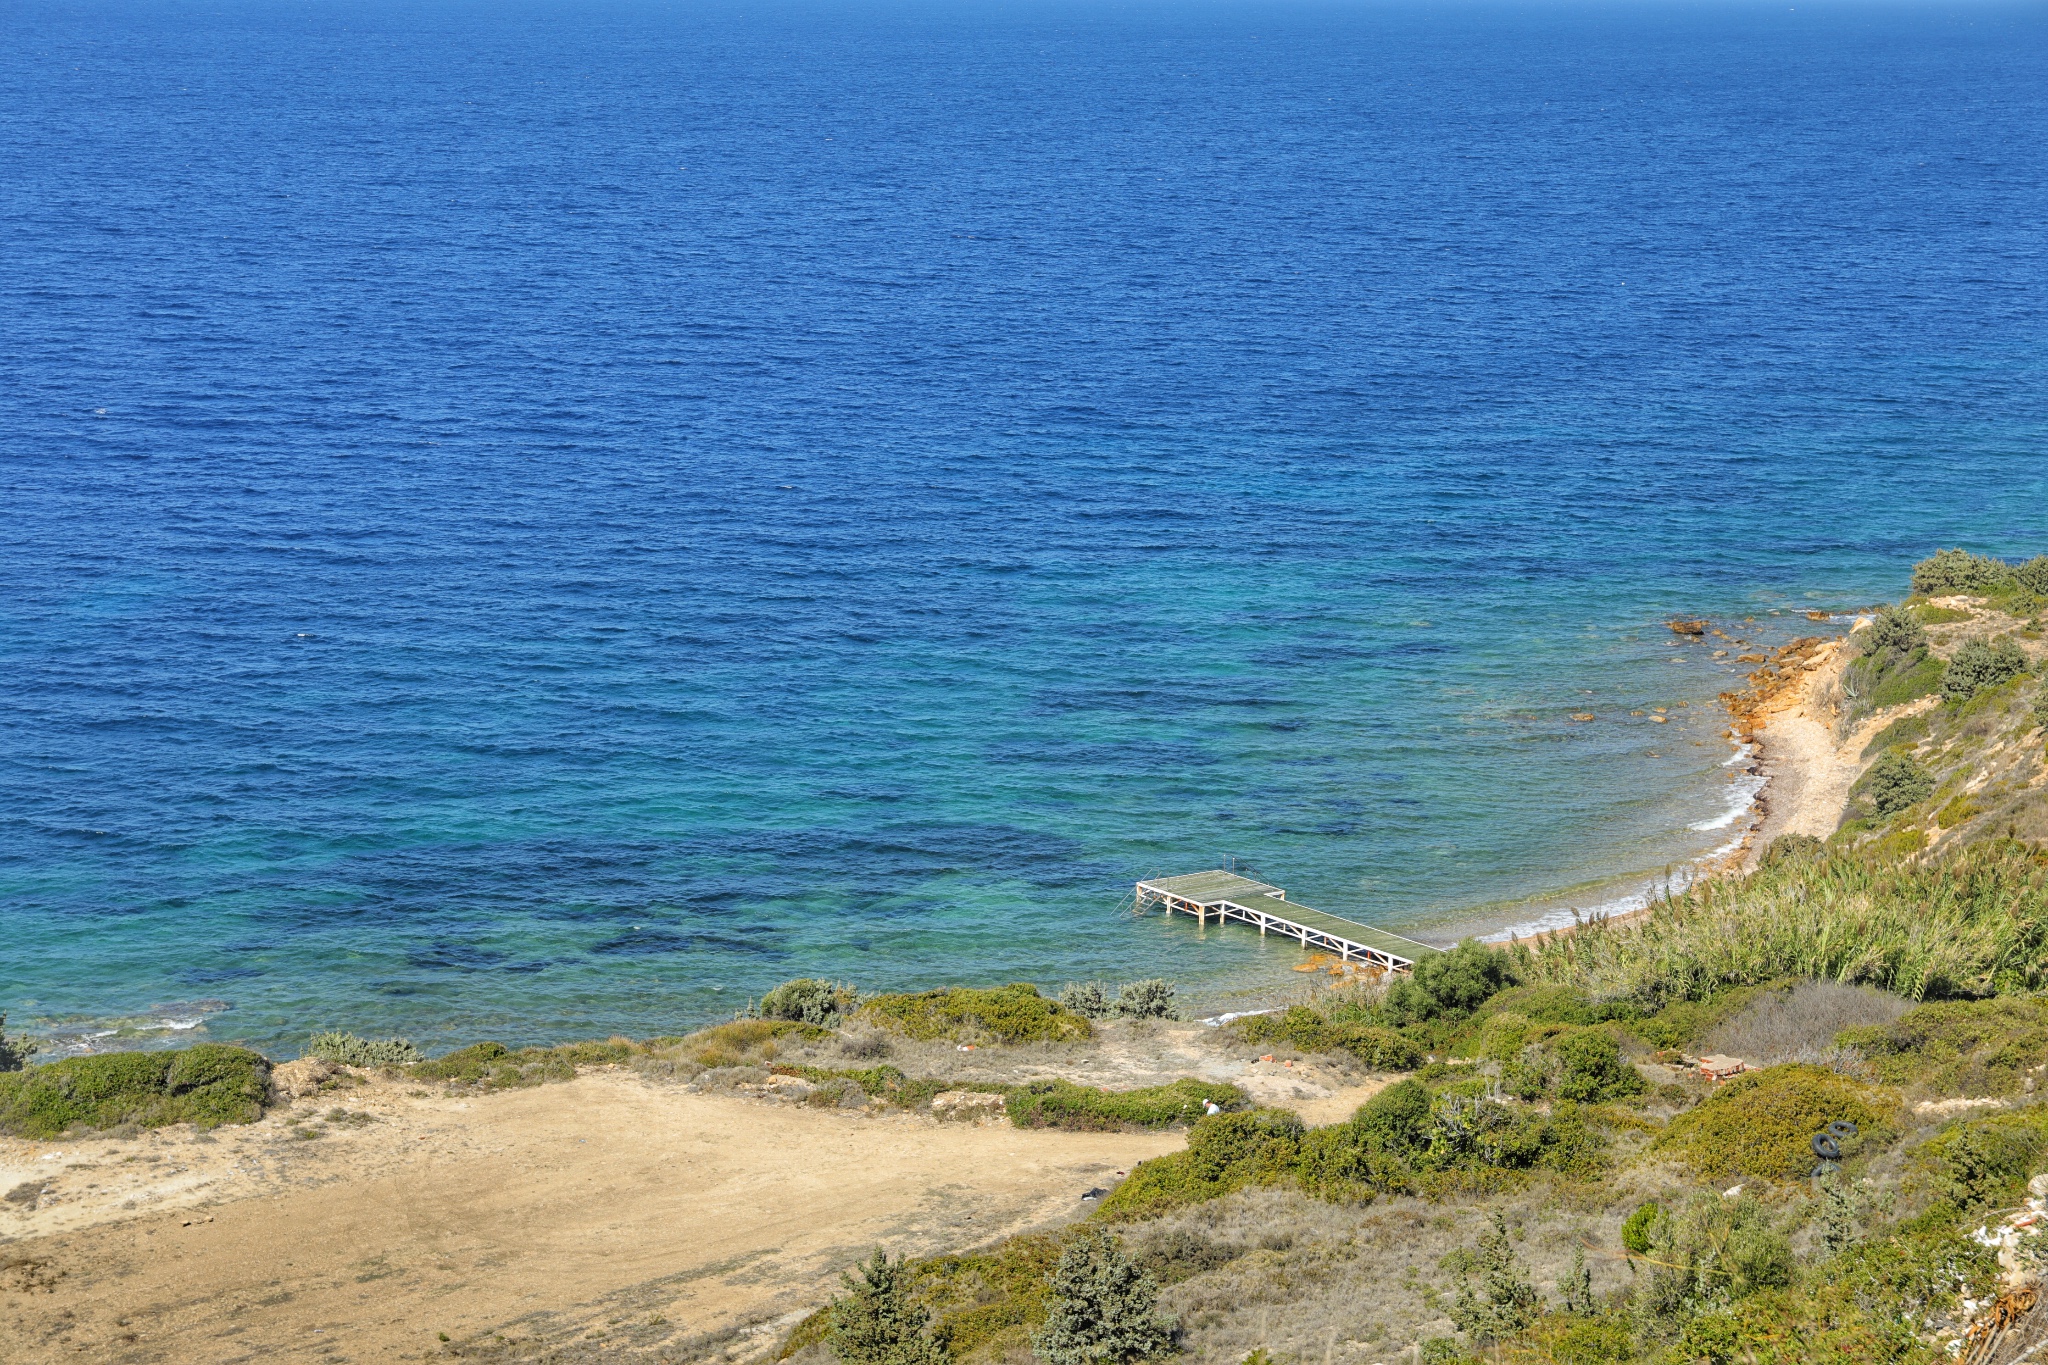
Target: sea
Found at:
533, 520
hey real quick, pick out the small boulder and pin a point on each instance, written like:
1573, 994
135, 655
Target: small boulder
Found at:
296, 1080
967, 1104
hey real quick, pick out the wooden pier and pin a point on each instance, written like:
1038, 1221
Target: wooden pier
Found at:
1227, 896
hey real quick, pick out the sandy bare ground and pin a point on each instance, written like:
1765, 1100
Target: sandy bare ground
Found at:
606, 1217
1809, 767
598, 1206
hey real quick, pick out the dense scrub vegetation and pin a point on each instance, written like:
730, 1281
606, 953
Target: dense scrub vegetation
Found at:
207, 1085
1007, 1014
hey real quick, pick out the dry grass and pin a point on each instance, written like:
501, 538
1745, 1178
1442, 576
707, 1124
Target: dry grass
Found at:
1312, 1282
1799, 1023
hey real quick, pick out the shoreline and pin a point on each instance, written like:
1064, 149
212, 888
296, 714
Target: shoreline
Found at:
1784, 727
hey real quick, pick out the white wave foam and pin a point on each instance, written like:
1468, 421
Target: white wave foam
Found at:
1740, 805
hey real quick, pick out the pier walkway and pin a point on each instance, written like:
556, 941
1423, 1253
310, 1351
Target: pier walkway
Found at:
1227, 896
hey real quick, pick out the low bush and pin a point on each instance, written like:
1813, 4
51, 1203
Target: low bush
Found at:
742, 1042
1894, 783
1947, 572
1449, 985
1912, 677
1225, 1152
207, 1085
349, 1049
1403, 1139
1893, 631
1959, 1047
1311, 1030
493, 1066
1152, 998
1902, 733
808, 1001
2033, 575
1985, 1163
1081, 1108
1590, 1068
1980, 666
1762, 1123
15, 1049
1009, 1014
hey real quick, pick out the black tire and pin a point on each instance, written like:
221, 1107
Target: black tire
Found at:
1826, 1148
1842, 1128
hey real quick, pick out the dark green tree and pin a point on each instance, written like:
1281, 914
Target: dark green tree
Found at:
878, 1323
1895, 782
1102, 1310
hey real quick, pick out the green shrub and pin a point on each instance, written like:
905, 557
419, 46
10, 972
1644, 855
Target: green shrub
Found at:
1986, 1162
1450, 985
1895, 782
2033, 575
1397, 1119
1638, 1228
1160, 1186
15, 1049
1762, 1123
1980, 666
1902, 733
1102, 1308
1591, 1068
348, 1049
1010, 1014
878, 1323
1313, 1031
1087, 999
807, 1000
207, 1085
1255, 1145
493, 1066
1225, 1152
1151, 998
1908, 680
1946, 572
1080, 1108
1893, 631
1506, 1302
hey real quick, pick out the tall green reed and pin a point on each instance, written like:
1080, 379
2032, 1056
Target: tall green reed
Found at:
1972, 924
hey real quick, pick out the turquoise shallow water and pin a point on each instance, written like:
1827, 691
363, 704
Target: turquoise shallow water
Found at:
536, 521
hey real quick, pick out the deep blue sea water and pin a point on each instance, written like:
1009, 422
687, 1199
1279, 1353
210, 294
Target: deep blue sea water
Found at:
534, 519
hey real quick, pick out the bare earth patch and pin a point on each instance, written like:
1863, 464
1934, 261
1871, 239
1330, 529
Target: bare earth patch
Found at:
607, 1217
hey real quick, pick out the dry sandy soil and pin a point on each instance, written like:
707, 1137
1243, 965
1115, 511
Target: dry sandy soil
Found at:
611, 1216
